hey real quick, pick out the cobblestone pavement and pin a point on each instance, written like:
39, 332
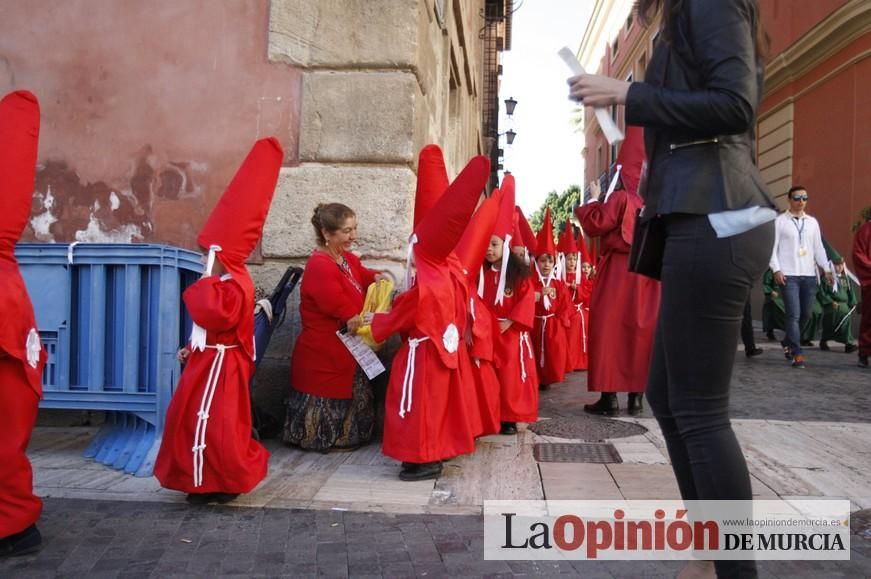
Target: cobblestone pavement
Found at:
102, 539
831, 389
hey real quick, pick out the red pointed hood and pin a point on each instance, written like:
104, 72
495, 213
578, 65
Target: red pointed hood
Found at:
517, 236
528, 235
476, 239
632, 157
505, 220
544, 240
236, 222
566, 243
19, 141
437, 236
582, 248
432, 181
443, 225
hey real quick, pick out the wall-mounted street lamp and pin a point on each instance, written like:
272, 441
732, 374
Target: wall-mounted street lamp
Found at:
510, 103
509, 136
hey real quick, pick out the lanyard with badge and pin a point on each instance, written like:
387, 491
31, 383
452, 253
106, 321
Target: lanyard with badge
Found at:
802, 251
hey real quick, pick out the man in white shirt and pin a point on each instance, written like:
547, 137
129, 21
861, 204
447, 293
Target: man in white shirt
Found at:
798, 250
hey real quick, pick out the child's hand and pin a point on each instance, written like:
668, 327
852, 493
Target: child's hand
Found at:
537, 297
183, 355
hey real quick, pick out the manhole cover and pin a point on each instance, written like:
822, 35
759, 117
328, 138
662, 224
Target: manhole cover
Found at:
597, 453
590, 428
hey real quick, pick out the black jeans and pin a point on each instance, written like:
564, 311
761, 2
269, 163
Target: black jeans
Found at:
706, 282
747, 328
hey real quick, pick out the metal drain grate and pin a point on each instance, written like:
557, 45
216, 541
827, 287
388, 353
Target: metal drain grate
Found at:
597, 453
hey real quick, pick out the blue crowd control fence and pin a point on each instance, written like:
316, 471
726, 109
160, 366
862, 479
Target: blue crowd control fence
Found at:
111, 319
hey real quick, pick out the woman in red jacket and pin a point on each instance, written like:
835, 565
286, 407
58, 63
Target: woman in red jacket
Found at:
331, 403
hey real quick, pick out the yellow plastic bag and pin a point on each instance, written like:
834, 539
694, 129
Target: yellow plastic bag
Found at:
378, 300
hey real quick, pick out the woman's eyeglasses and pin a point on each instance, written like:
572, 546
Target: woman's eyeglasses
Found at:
799, 197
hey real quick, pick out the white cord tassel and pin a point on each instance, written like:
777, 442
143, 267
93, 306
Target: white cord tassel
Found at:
408, 259
545, 283
583, 326
199, 447
408, 380
578, 271
613, 184
481, 282
524, 337
543, 327
33, 347
198, 333
506, 253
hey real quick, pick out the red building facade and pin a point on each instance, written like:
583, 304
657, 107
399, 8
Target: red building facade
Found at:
815, 120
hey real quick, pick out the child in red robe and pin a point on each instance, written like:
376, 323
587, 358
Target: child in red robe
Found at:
207, 449
576, 334
21, 354
507, 291
482, 325
431, 407
552, 310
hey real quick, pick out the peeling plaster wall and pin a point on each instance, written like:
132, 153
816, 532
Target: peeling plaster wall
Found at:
147, 110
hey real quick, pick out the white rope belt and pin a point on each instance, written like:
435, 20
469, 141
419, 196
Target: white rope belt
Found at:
408, 380
524, 337
583, 325
543, 326
206, 405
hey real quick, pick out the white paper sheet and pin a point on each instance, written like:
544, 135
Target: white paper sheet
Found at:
609, 128
364, 355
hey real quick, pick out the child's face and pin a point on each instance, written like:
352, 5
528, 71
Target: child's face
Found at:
494, 250
839, 268
587, 269
519, 251
545, 263
571, 261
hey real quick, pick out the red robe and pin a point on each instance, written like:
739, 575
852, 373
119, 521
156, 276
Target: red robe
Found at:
232, 461
624, 305
484, 330
549, 338
515, 362
20, 391
578, 332
437, 425
862, 263
321, 365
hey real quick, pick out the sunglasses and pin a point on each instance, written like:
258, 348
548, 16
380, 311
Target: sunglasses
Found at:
799, 197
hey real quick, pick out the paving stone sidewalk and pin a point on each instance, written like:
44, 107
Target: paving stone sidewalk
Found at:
103, 539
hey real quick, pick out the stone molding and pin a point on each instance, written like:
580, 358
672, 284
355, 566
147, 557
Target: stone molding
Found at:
845, 25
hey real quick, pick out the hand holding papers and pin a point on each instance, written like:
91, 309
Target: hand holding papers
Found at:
364, 355
609, 128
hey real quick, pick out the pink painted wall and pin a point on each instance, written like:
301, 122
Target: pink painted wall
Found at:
147, 110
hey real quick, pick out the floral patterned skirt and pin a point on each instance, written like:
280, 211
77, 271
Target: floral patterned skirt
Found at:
318, 423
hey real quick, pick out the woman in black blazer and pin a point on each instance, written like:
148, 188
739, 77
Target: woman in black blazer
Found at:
698, 105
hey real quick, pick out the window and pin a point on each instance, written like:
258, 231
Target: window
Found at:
641, 67
629, 22
614, 47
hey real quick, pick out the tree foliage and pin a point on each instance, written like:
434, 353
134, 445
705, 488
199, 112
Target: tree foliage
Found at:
561, 208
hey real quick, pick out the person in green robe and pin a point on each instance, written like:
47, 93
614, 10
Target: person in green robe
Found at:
773, 312
839, 301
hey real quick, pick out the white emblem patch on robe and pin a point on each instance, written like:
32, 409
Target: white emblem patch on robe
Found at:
451, 338
34, 347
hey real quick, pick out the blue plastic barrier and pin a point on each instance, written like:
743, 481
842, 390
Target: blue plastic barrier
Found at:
111, 319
